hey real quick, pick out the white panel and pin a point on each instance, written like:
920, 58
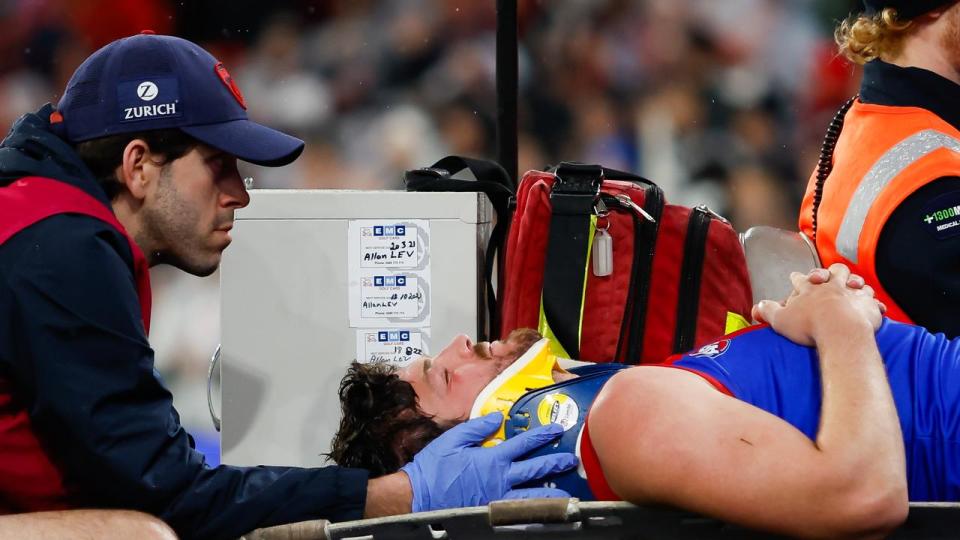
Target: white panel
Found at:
285, 330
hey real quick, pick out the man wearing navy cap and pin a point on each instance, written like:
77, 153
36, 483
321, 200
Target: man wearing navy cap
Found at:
885, 198
137, 166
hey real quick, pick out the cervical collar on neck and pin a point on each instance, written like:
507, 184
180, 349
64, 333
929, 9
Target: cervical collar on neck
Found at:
531, 371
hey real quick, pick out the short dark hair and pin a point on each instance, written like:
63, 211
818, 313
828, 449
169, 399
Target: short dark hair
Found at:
103, 155
382, 427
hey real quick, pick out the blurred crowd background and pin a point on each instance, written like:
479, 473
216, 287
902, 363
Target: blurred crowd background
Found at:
722, 102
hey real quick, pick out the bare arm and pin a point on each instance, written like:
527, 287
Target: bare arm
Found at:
683, 443
84, 525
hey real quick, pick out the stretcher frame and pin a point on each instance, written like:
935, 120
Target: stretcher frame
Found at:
571, 518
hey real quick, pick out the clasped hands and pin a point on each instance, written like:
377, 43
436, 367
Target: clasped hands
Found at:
824, 300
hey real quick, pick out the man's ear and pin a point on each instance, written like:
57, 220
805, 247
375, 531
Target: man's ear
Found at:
136, 169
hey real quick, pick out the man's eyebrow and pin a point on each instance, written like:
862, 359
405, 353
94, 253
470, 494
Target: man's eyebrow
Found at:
426, 366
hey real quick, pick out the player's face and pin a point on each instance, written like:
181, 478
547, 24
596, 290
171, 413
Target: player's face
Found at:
448, 383
189, 214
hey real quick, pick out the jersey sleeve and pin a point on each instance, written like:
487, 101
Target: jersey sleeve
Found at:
82, 364
918, 256
766, 370
720, 362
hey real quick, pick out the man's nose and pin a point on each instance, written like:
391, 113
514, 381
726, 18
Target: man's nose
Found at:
463, 346
233, 192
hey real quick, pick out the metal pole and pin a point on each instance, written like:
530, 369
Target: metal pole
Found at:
507, 86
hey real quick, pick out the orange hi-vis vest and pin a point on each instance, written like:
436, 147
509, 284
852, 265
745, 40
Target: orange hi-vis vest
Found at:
883, 155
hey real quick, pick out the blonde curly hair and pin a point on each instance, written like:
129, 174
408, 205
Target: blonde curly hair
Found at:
863, 37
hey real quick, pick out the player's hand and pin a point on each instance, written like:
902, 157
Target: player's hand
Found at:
453, 471
819, 276
821, 303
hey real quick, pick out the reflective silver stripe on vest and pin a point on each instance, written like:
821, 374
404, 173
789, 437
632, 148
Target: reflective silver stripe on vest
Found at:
888, 167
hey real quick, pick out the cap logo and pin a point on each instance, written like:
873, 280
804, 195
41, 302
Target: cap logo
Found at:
154, 99
147, 91
230, 84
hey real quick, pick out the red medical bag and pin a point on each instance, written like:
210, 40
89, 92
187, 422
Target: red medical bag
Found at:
597, 260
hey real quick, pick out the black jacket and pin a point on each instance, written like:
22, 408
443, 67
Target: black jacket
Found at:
73, 346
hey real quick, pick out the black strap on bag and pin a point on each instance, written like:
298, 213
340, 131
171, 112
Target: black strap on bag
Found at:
492, 180
572, 199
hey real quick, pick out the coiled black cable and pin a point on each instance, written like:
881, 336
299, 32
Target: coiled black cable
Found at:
825, 165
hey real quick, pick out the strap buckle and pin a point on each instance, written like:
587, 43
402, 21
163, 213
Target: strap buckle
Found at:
434, 172
578, 179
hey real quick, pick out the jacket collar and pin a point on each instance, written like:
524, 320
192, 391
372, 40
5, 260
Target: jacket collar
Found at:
33, 149
887, 84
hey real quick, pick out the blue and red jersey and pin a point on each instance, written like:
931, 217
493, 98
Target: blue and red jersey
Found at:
772, 373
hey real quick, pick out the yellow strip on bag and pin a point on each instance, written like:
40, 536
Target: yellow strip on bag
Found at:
735, 322
544, 327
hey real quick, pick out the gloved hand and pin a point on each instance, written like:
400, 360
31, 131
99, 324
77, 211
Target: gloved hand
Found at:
452, 471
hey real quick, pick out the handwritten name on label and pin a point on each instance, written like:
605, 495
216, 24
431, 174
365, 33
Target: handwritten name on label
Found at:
390, 296
390, 246
389, 346
381, 250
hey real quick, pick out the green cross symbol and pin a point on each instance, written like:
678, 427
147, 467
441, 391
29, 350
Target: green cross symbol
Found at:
928, 219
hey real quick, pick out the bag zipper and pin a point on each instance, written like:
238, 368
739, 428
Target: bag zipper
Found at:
645, 227
611, 201
653, 203
691, 276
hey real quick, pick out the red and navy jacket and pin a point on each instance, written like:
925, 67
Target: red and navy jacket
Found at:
85, 420
27, 476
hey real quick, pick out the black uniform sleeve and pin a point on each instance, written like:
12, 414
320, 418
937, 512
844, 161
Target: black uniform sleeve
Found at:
81, 361
918, 256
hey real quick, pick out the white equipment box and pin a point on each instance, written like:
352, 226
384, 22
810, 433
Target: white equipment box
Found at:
297, 306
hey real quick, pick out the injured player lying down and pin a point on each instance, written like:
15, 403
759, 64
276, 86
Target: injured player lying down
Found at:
791, 428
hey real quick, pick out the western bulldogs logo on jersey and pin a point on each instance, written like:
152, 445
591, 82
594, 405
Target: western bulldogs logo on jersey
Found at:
713, 350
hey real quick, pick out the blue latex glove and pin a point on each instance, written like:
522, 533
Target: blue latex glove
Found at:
452, 471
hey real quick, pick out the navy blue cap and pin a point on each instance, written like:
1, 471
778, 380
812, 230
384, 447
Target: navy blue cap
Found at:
906, 9
147, 81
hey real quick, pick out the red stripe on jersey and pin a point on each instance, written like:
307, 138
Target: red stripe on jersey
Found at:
742, 331
709, 378
591, 464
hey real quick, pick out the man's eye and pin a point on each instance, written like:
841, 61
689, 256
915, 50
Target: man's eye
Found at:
446, 376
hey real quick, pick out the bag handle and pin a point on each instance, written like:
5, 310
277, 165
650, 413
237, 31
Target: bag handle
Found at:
492, 180
605, 173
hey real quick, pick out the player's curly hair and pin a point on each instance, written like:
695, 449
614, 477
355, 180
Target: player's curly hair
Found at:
381, 427
863, 37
